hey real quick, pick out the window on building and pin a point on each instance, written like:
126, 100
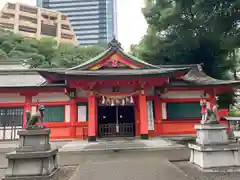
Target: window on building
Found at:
53, 18
27, 29
183, 111
49, 30
24, 18
28, 9
54, 114
82, 112
12, 116
11, 6
66, 36
44, 16
64, 17
7, 26
7, 16
63, 26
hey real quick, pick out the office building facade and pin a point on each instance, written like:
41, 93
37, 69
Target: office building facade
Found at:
93, 21
36, 22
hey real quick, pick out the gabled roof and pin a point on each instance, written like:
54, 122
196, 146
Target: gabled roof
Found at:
113, 48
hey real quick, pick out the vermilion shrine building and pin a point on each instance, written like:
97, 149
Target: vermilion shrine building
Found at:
113, 94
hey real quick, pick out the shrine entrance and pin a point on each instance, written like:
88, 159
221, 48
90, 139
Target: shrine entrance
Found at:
116, 121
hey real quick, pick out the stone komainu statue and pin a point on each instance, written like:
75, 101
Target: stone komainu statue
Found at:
34, 119
212, 117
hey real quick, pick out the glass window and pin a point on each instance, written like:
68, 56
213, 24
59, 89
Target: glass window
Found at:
54, 114
82, 112
183, 111
12, 116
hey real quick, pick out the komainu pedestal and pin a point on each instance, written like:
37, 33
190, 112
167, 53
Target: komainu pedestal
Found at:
212, 151
34, 158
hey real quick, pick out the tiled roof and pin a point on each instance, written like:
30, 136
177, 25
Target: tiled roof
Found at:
200, 78
109, 74
195, 78
20, 80
23, 78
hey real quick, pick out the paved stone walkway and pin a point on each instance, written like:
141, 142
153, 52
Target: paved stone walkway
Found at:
102, 145
194, 174
151, 144
137, 165
128, 167
8, 146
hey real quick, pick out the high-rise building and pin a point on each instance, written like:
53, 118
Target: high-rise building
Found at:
37, 22
93, 21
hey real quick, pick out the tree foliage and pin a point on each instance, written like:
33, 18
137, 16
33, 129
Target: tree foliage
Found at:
192, 32
44, 53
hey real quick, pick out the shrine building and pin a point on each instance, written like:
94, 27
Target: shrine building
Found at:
111, 95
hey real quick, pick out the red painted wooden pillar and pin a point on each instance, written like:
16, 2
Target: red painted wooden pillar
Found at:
92, 117
158, 110
27, 107
136, 112
96, 120
143, 116
73, 117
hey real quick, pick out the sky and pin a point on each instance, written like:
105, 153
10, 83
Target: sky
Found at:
131, 23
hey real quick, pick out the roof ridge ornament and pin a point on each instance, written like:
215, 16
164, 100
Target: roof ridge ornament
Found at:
114, 43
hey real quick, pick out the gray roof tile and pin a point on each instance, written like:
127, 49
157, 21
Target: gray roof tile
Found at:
21, 80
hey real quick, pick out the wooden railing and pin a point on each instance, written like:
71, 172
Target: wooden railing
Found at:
114, 130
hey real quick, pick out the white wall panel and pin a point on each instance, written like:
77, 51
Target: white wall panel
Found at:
183, 94
11, 98
67, 113
50, 97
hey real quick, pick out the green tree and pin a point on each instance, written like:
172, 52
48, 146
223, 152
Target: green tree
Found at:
3, 55
69, 55
190, 32
46, 52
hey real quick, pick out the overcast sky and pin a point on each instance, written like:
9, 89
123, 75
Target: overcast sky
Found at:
131, 23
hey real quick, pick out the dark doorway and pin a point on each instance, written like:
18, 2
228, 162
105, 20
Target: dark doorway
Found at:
116, 121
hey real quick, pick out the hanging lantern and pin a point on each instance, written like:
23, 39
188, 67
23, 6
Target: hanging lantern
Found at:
123, 102
131, 100
117, 101
108, 101
112, 104
103, 100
